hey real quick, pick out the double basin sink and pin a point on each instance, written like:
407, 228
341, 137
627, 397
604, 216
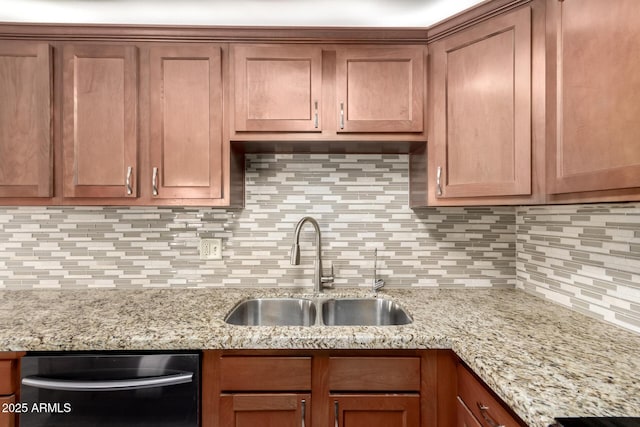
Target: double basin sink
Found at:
317, 311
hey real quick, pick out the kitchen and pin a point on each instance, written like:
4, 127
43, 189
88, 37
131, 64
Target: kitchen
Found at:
476, 271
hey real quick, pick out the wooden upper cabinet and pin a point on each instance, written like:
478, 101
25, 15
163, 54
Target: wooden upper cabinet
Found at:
185, 122
593, 129
480, 142
380, 89
277, 88
26, 161
99, 118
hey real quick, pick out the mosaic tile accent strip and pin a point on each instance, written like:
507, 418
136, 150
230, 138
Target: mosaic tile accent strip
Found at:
586, 257
360, 201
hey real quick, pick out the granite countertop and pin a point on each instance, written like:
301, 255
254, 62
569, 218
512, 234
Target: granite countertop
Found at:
543, 360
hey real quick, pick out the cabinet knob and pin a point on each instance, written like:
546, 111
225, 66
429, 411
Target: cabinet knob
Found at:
438, 181
128, 181
154, 181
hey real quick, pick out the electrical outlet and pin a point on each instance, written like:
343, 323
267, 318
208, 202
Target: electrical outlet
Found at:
210, 248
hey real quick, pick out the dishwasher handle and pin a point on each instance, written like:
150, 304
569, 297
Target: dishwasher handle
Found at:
109, 385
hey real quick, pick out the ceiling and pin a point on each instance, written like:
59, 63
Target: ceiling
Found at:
367, 13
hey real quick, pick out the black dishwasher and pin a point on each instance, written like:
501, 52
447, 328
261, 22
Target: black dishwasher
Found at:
100, 390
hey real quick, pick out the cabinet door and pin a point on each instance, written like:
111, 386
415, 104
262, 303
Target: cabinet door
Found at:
186, 122
99, 117
464, 416
25, 120
380, 89
277, 88
7, 419
265, 410
594, 134
482, 404
376, 410
481, 126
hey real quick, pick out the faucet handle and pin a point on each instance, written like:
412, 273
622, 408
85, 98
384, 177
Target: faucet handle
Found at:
327, 281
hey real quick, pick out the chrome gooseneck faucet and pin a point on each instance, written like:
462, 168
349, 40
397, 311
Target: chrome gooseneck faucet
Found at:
319, 281
377, 283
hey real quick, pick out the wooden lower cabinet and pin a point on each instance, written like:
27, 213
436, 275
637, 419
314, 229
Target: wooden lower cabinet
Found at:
265, 410
465, 417
7, 419
368, 410
480, 403
346, 388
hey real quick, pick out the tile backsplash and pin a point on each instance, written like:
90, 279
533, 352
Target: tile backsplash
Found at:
360, 201
586, 257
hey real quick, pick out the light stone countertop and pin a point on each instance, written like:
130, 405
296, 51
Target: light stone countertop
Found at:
545, 361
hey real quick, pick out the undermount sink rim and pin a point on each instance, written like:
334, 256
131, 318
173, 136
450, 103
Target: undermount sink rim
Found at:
315, 309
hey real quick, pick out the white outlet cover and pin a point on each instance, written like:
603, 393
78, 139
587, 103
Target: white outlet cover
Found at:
210, 248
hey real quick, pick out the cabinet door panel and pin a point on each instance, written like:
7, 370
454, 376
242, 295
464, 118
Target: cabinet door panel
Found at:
99, 121
465, 417
594, 145
7, 419
277, 88
481, 136
265, 410
186, 121
25, 120
380, 89
376, 410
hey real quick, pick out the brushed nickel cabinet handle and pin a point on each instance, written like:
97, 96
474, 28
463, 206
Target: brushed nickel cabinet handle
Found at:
336, 413
129, 188
315, 116
484, 410
304, 411
154, 181
342, 115
438, 181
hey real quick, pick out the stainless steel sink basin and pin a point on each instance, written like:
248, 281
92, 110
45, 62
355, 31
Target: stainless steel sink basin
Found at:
273, 312
363, 312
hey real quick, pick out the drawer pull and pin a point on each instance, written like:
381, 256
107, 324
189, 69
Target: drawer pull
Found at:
304, 411
484, 410
128, 181
336, 413
315, 116
154, 182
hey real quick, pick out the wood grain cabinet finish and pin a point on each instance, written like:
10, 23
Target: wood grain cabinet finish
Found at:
465, 417
484, 407
380, 89
278, 88
480, 137
185, 122
7, 419
593, 128
251, 410
26, 159
365, 410
99, 121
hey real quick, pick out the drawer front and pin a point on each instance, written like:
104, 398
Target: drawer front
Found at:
7, 419
7, 377
475, 395
265, 373
374, 374
465, 417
